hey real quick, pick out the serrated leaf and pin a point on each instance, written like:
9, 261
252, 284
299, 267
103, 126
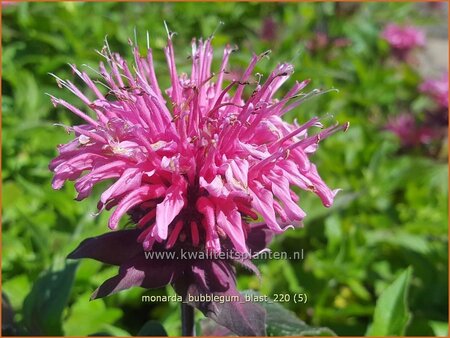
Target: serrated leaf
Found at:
391, 314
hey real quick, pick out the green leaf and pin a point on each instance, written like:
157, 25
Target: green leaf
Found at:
391, 314
94, 316
43, 306
400, 238
16, 288
440, 328
282, 322
279, 322
153, 329
115, 331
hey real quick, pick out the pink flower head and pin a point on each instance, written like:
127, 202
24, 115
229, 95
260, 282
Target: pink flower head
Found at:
322, 40
405, 127
200, 165
9, 3
269, 29
403, 39
437, 89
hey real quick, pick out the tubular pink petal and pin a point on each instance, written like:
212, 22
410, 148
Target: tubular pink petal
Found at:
147, 218
174, 234
130, 200
215, 187
206, 207
280, 188
195, 234
174, 92
240, 171
168, 209
229, 219
75, 110
129, 180
263, 203
226, 55
320, 188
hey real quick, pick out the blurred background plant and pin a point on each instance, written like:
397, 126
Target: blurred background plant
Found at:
392, 164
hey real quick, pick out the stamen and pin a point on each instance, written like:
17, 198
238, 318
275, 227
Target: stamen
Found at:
221, 23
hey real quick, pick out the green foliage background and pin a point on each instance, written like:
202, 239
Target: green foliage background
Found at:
391, 214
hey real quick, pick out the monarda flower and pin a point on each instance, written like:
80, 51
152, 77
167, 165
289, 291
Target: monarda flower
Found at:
437, 89
199, 167
269, 29
408, 131
403, 39
322, 41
